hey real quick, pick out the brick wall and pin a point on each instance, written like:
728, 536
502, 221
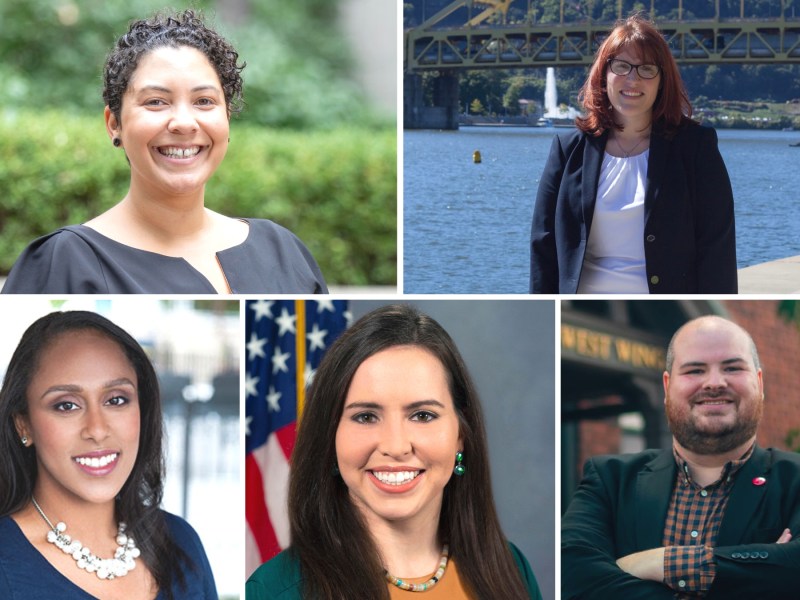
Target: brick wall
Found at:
778, 343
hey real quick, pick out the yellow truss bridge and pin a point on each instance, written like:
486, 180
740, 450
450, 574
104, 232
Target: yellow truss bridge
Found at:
487, 40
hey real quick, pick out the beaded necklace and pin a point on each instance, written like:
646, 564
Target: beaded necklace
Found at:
421, 587
105, 568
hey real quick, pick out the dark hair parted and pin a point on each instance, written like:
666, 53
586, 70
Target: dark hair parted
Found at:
671, 108
337, 554
139, 499
183, 29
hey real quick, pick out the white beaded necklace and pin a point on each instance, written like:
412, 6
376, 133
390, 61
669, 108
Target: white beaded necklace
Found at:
105, 568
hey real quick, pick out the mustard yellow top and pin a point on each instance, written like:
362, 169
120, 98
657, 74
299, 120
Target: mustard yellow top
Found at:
448, 588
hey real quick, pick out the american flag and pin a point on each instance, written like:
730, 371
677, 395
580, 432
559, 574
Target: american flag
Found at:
281, 334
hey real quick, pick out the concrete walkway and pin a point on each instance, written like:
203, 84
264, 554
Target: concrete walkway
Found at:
776, 277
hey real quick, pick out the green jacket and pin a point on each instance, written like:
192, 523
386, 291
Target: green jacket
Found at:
280, 578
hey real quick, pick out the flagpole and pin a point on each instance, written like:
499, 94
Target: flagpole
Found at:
300, 355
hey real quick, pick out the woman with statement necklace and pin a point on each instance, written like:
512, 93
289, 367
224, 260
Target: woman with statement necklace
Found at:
390, 493
637, 199
81, 473
171, 85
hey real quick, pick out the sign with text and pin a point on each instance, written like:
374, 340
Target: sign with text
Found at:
610, 350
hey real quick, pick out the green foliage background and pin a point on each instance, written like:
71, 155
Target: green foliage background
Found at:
306, 151
335, 189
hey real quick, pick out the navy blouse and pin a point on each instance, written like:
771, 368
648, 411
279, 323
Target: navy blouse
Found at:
27, 575
79, 260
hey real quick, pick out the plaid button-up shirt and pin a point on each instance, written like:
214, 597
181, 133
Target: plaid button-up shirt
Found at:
692, 526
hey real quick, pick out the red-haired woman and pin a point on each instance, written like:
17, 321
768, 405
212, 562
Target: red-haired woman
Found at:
637, 200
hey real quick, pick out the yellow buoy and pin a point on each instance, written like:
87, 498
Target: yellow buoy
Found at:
476, 156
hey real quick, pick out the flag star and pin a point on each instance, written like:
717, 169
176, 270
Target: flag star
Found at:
273, 399
279, 361
348, 317
255, 347
247, 422
317, 338
250, 384
262, 308
285, 322
323, 305
308, 375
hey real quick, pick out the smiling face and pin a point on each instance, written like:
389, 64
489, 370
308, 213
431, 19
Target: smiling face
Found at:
398, 436
83, 419
714, 394
631, 96
174, 122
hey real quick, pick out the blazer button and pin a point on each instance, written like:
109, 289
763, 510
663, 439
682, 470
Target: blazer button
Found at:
745, 555
763, 554
651, 238
736, 555
654, 279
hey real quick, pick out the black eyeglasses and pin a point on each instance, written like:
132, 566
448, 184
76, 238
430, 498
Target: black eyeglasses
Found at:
623, 67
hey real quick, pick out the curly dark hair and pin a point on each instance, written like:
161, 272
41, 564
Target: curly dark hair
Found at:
183, 29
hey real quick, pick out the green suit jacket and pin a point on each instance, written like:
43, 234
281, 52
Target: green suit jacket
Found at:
621, 505
280, 578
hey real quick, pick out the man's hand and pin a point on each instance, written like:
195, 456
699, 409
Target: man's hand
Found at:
785, 536
648, 564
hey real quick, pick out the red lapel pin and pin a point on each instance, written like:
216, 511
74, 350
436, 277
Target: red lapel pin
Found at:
759, 481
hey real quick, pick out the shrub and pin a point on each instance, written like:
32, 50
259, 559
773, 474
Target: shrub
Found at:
336, 189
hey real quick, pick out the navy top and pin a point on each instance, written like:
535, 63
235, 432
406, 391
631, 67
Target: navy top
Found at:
27, 575
79, 260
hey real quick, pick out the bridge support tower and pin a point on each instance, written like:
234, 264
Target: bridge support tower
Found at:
444, 112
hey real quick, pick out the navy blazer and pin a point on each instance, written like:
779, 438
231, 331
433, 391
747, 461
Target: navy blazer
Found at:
689, 234
621, 506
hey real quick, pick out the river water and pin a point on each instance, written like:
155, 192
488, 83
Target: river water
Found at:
467, 226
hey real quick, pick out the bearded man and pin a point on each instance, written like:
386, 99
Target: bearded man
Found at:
713, 517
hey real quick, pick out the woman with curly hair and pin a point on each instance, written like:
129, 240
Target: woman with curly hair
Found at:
82, 472
389, 492
637, 200
170, 87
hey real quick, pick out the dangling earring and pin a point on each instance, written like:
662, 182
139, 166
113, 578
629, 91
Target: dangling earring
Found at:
117, 142
24, 440
459, 468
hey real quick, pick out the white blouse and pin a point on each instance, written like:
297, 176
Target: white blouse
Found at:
614, 260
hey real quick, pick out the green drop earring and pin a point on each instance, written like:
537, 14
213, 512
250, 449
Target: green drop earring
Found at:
459, 468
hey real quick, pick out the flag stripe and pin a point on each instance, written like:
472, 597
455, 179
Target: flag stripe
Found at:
285, 341
256, 511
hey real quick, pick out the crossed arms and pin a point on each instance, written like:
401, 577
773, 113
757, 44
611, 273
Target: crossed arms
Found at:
607, 554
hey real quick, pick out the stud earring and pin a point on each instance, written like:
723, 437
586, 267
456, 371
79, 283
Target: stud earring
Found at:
117, 142
24, 440
459, 468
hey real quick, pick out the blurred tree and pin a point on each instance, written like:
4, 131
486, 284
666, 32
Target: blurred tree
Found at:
475, 107
52, 54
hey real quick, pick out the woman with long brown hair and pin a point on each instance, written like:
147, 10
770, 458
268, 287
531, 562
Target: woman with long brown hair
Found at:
637, 200
390, 493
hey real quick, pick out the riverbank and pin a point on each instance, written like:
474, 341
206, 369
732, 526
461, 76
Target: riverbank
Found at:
729, 114
720, 114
